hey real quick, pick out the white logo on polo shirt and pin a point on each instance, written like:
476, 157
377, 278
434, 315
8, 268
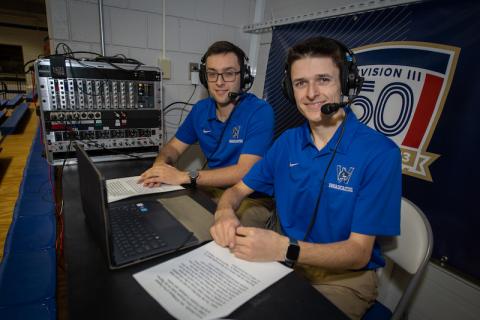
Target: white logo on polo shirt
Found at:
343, 177
206, 131
293, 164
236, 132
344, 174
235, 135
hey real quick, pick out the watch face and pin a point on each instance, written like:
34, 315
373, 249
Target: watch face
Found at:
293, 252
193, 174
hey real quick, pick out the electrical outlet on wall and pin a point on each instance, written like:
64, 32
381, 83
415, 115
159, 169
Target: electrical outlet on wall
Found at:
192, 67
194, 72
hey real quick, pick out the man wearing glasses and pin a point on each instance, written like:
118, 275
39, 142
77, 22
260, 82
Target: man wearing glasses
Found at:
234, 129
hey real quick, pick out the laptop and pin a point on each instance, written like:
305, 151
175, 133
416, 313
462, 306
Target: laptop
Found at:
135, 230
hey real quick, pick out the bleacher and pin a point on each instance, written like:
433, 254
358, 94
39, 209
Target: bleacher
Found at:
28, 268
11, 103
11, 123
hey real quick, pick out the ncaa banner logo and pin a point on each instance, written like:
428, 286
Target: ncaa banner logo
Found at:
405, 88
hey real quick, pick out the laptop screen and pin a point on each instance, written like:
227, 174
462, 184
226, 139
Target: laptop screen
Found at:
93, 195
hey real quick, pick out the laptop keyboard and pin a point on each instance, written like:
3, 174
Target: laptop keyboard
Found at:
131, 234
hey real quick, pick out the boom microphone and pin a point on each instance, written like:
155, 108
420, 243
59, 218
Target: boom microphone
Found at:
233, 95
330, 108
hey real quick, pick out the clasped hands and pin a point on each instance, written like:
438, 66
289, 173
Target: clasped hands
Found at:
163, 173
247, 243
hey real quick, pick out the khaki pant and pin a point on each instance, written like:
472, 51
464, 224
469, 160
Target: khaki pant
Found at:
253, 212
353, 292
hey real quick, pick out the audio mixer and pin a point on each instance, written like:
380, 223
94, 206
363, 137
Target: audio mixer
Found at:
113, 110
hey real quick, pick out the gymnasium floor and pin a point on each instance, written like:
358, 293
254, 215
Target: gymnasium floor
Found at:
13, 155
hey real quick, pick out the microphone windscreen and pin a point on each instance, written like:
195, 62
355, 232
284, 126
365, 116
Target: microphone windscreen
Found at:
233, 95
330, 108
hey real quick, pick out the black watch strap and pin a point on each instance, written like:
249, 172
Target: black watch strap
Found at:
193, 174
292, 254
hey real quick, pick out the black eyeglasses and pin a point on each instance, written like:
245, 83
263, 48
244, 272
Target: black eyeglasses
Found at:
227, 76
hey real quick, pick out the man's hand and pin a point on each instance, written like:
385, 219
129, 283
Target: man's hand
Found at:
226, 222
255, 244
224, 228
163, 173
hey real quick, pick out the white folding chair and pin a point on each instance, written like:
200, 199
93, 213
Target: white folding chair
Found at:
407, 256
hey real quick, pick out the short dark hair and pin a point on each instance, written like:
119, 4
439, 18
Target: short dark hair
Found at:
317, 47
225, 47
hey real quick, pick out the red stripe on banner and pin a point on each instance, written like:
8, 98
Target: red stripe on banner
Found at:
424, 111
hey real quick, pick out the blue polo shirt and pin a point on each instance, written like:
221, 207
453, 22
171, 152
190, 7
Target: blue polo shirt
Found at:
362, 191
248, 131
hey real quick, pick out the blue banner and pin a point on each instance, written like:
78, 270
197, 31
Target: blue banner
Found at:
420, 65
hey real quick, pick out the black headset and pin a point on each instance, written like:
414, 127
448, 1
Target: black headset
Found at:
246, 77
351, 81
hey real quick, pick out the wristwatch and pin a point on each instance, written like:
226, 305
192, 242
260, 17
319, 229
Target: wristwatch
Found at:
193, 174
293, 252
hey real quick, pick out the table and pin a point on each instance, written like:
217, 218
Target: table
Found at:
95, 292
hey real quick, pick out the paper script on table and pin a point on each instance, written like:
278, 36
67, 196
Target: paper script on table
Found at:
208, 282
122, 188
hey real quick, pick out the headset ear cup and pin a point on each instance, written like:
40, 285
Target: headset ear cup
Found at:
203, 75
354, 80
287, 89
351, 82
346, 83
247, 77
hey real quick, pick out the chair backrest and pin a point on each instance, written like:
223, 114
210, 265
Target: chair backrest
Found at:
411, 251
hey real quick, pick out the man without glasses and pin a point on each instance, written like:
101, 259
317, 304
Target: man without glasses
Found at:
336, 183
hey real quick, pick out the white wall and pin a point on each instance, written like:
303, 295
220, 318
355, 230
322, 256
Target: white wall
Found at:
134, 28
